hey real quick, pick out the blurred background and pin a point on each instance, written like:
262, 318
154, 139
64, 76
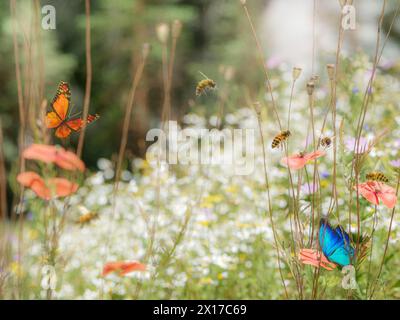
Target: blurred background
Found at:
215, 40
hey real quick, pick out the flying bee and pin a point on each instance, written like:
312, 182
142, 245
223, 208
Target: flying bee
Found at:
279, 138
86, 216
326, 142
376, 176
204, 85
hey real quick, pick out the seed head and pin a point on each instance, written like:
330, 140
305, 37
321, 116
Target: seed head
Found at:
176, 28
331, 71
310, 87
162, 30
296, 73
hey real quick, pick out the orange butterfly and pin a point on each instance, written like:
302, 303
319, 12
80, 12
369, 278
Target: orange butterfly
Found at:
59, 117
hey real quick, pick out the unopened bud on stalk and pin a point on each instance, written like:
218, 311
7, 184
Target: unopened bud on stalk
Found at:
344, 2
176, 28
257, 107
229, 73
315, 79
331, 71
310, 87
243, 2
296, 73
162, 32
145, 50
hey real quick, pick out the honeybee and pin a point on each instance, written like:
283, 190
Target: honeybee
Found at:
326, 142
86, 216
279, 138
205, 84
376, 176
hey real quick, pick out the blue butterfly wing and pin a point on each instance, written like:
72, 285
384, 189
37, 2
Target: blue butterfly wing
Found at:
341, 256
335, 244
329, 239
342, 234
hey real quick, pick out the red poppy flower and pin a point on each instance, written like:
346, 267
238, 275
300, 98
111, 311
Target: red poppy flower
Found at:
53, 187
315, 258
123, 267
54, 154
298, 161
374, 191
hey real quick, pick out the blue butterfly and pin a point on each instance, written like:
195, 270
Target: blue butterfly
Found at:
335, 244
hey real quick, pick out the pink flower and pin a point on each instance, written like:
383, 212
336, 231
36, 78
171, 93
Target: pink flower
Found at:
123, 267
298, 161
315, 258
53, 187
52, 154
374, 191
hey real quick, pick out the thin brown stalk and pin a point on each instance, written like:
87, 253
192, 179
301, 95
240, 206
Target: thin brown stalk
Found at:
262, 62
3, 179
356, 162
124, 140
88, 85
270, 205
165, 112
21, 107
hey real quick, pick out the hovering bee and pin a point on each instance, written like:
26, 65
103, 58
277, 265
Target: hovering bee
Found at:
86, 216
205, 84
376, 176
279, 138
326, 142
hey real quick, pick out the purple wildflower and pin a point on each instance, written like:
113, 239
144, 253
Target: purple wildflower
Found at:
363, 145
395, 163
309, 188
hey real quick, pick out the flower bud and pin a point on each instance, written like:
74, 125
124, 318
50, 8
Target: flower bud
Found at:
243, 2
331, 71
315, 79
176, 28
310, 87
162, 32
296, 73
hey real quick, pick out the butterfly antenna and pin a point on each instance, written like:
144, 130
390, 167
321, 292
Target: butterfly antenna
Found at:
75, 114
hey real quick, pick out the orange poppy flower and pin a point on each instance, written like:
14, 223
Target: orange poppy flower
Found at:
54, 154
53, 187
123, 267
375, 191
298, 161
315, 258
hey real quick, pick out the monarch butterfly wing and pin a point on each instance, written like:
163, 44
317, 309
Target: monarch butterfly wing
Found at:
329, 240
63, 131
77, 124
52, 120
92, 118
60, 105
